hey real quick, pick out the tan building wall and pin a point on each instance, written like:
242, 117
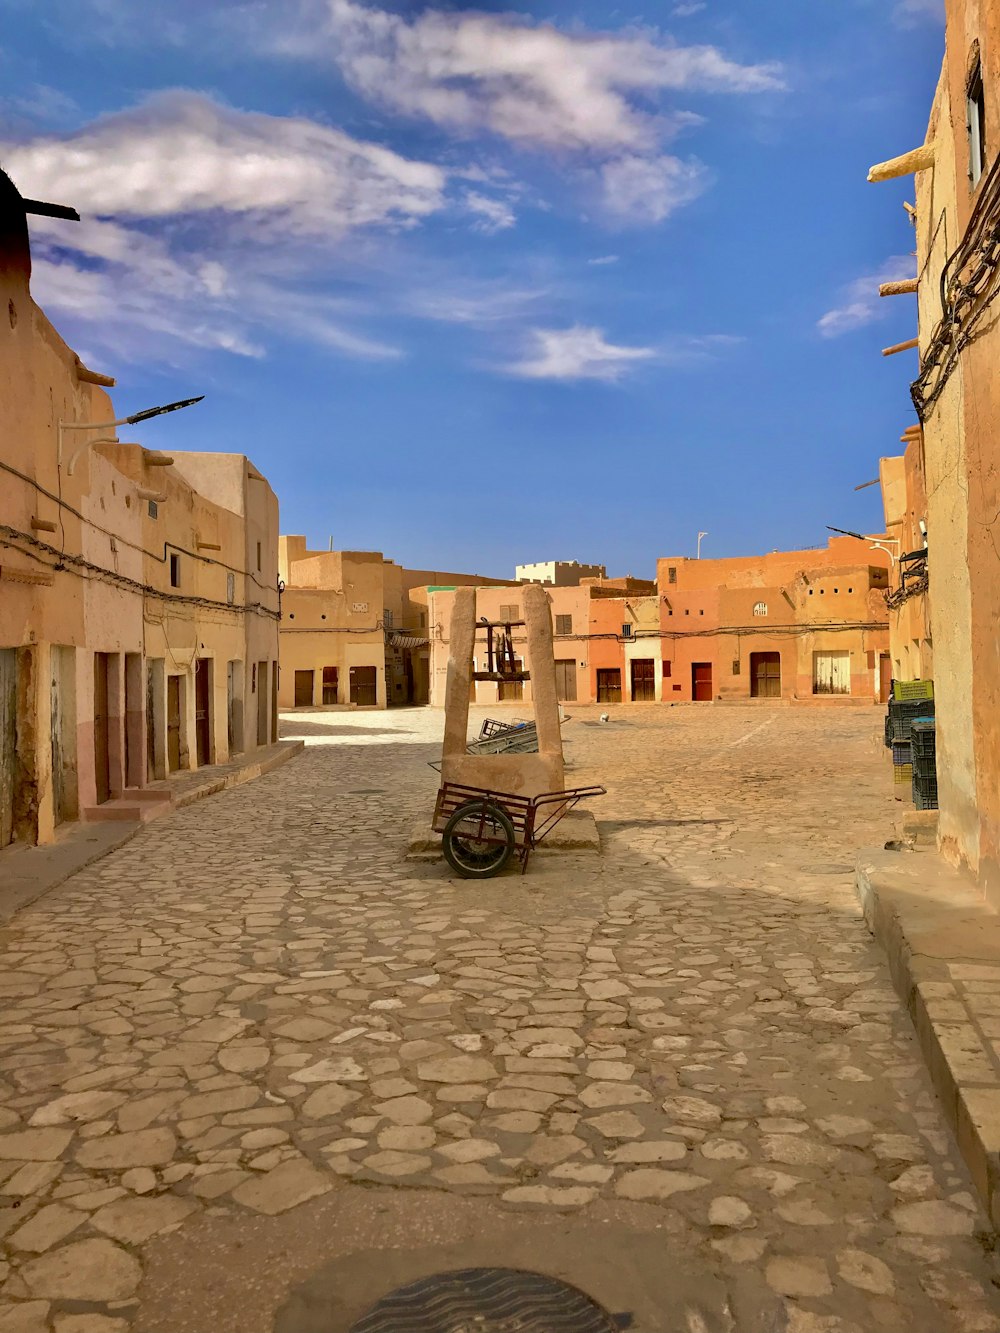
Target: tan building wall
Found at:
354, 627
86, 606
904, 501
958, 398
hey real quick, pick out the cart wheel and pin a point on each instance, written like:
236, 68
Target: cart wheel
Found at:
478, 840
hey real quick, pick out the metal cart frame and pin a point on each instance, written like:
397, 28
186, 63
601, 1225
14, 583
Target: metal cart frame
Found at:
482, 829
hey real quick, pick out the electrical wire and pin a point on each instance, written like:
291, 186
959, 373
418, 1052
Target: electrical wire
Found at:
167, 545
75, 564
970, 281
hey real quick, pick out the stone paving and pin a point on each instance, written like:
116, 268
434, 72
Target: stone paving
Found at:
257, 1003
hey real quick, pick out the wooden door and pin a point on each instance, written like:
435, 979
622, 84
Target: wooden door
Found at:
304, 689
329, 684
150, 724
102, 729
566, 679
765, 675
203, 710
832, 673
8, 741
609, 685
884, 677
173, 723
363, 686
701, 682
643, 680
262, 703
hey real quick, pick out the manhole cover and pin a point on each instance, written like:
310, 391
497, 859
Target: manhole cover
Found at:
487, 1300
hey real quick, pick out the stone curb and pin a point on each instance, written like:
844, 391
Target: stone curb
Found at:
283, 751
942, 941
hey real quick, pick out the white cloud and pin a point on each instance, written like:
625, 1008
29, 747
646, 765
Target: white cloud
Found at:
860, 301
685, 11
204, 226
603, 259
578, 353
530, 83
588, 98
649, 189
182, 153
493, 215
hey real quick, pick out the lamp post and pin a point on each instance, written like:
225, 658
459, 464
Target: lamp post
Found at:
132, 420
700, 535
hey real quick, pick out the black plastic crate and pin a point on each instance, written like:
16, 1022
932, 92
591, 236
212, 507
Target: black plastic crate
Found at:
901, 753
923, 737
888, 732
925, 794
903, 713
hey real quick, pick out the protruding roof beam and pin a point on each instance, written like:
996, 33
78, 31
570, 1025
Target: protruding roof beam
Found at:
901, 347
918, 159
898, 288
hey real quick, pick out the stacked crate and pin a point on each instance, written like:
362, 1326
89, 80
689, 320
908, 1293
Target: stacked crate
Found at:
923, 750
912, 699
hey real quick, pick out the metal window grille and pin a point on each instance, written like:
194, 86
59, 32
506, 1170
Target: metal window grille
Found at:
760, 609
626, 631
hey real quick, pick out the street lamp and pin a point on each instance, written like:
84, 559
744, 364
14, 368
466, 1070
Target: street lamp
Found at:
700, 535
111, 425
877, 543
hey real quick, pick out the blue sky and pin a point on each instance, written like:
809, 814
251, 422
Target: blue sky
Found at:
476, 285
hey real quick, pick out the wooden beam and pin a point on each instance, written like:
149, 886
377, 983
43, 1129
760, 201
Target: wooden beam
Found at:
159, 460
918, 159
209, 546
898, 288
86, 376
41, 524
901, 347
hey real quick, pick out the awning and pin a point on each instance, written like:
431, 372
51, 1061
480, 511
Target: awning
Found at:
405, 641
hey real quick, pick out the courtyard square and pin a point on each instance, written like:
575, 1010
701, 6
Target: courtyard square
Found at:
258, 1067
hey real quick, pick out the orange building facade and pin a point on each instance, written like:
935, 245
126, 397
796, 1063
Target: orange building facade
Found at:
806, 626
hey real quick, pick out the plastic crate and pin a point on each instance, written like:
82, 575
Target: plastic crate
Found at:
925, 792
923, 735
902, 774
901, 753
888, 732
903, 714
905, 690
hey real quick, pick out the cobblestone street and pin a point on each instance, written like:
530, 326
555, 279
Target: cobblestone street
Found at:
258, 1068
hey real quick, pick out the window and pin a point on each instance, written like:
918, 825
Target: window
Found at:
387, 618
626, 631
423, 619
510, 613
230, 588
671, 573
736, 666
153, 509
258, 555
760, 609
667, 668
976, 121
564, 624
175, 571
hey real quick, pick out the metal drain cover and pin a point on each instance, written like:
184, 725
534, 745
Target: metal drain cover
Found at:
487, 1300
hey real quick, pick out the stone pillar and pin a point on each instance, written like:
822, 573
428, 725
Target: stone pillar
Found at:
462, 638
516, 774
542, 665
